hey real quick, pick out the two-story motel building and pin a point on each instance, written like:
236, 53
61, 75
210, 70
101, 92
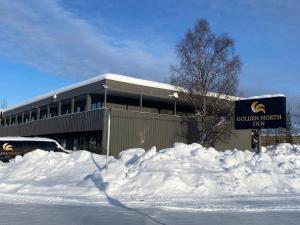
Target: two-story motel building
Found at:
108, 110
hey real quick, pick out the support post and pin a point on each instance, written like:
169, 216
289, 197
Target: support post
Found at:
48, 111
38, 113
72, 105
88, 102
59, 108
141, 102
108, 137
258, 142
175, 107
175, 97
105, 96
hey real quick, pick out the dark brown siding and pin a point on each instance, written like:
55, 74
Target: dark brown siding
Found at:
77, 122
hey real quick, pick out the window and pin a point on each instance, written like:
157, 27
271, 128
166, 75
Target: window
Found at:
79, 106
26, 117
53, 111
44, 145
19, 119
75, 144
65, 108
13, 120
43, 113
33, 116
92, 144
7, 122
63, 143
96, 102
82, 143
2, 122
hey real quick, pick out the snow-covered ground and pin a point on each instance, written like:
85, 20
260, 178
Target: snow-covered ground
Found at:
187, 178
181, 172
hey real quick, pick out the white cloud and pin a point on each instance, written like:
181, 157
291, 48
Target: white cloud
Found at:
46, 36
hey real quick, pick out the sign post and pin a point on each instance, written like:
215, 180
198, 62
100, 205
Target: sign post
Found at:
260, 113
258, 150
256, 140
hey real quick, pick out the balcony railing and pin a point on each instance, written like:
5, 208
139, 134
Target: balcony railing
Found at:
75, 122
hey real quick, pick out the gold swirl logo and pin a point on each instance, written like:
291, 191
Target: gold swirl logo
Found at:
258, 107
7, 147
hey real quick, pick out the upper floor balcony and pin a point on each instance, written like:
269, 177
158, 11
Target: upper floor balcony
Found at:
74, 122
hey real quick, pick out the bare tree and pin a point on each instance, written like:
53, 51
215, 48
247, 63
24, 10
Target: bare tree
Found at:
3, 103
207, 76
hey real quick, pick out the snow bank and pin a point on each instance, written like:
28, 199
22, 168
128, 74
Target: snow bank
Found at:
183, 170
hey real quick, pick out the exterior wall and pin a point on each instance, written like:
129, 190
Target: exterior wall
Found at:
280, 138
240, 139
143, 130
129, 129
296, 139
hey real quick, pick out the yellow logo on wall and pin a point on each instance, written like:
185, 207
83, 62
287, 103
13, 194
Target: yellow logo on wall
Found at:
7, 147
258, 107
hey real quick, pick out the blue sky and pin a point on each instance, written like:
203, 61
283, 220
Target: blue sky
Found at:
45, 45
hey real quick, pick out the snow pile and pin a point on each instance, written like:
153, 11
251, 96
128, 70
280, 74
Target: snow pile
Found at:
184, 170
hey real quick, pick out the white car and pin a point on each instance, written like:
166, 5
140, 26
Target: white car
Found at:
10, 147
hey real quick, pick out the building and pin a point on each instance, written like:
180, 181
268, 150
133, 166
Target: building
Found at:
275, 139
108, 111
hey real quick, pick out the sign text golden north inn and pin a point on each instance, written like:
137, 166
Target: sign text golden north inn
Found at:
259, 120
260, 113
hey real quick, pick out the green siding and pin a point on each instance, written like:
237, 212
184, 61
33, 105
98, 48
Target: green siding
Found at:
143, 130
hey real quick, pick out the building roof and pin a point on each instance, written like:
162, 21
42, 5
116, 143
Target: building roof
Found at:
264, 96
113, 77
13, 138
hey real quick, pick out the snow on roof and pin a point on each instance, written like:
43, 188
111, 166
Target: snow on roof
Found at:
11, 138
114, 77
58, 91
264, 96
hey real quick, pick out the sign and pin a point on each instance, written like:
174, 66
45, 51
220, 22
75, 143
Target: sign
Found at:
260, 113
7, 147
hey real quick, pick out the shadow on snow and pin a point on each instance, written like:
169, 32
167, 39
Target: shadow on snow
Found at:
101, 185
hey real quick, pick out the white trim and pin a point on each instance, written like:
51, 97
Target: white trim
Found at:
263, 96
17, 138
